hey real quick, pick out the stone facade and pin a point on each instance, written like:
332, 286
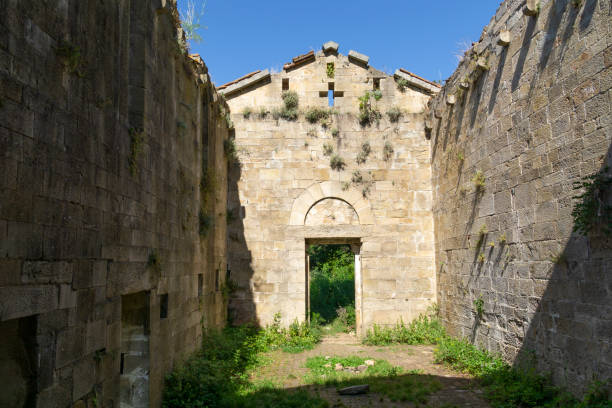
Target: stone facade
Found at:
105, 128
529, 107
285, 191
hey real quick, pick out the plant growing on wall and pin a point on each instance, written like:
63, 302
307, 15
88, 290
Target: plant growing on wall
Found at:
71, 56
328, 149
362, 156
136, 142
394, 114
335, 132
263, 112
592, 210
190, 20
479, 307
377, 94
229, 150
205, 222
402, 84
246, 112
479, 181
289, 111
368, 113
337, 163
331, 70
314, 115
387, 151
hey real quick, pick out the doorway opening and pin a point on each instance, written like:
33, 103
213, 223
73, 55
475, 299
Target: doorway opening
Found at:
331, 285
18, 362
135, 331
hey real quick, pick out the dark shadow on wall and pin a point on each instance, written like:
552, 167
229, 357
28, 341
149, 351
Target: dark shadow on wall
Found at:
570, 333
520, 65
241, 306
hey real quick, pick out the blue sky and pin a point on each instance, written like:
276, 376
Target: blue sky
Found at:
421, 36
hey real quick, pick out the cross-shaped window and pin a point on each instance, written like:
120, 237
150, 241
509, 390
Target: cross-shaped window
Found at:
331, 94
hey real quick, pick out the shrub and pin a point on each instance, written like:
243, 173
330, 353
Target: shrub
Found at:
479, 181
332, 281
367, 113
263, 112
423, 330
387, 151
362, 156
337, 163
290, 99
246, 112
402, 84
394, 114
377, 94
335, 132
592, 211
328, 149
229, 150
331, 70
314, 115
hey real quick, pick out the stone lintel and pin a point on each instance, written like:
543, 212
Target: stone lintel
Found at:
364, 59
246, 82
419, 83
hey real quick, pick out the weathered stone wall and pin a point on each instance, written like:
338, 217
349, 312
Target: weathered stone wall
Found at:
533, 120
286, 192
93, 208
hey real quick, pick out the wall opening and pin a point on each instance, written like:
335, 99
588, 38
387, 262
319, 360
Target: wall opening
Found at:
285, 84
134, 367
17, 363
333, 279
163, 306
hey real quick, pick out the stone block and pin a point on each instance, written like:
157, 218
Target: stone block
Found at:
24, 301
330, 46
364, 59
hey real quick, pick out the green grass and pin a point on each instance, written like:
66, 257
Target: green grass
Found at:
423, 330
217, 375
504, 386
383, 378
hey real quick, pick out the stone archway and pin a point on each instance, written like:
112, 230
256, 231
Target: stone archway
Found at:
330, 190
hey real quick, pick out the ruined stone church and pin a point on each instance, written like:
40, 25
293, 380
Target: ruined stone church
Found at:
141, 204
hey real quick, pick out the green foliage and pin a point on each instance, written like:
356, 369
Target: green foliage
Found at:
383, 378
332, 282
290, 99
335, 132
217, 375
229, 149
479, 181
71, 56
368, 114
387, 151
246, 112
314, 115
377, 94
362, 156
592, 210
577, 3
502, 239
331, 70
479, 307
463, 356
394, 114
205, 222
136, 142
190, 17
289, 111
402, 84
460, 156
423, 330
263, 112
328, 149
294, 339
337, 163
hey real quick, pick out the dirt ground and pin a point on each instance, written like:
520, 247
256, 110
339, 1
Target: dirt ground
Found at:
288, 370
